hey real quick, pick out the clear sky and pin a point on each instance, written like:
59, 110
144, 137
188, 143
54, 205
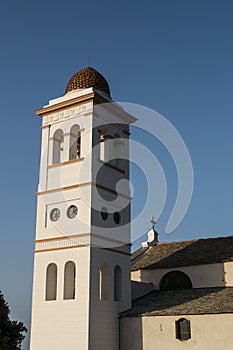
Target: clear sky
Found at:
175, 57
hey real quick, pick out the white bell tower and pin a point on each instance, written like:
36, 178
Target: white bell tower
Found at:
82, 248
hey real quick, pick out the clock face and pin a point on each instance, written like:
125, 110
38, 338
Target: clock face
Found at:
55, 214
117, 218
104, 213
72, 211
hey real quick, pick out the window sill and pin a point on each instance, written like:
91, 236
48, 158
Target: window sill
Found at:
68, 162
111, 166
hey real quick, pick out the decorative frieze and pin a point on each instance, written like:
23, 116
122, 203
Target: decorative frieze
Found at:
67, 242
67, 113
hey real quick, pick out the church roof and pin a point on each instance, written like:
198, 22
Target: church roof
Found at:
86, 78
184, 302
185, 253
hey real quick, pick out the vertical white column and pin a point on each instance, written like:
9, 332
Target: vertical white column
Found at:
44, 159
50, 152
66, 148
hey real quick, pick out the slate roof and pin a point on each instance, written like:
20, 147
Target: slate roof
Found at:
184, 302
185, 253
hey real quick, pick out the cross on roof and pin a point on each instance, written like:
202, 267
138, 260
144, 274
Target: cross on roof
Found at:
153, 222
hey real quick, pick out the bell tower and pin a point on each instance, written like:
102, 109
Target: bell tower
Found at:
82, 249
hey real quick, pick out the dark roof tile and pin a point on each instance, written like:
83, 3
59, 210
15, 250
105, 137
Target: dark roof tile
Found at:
185, 253
184, 302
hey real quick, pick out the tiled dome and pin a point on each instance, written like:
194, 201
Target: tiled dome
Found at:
86, 78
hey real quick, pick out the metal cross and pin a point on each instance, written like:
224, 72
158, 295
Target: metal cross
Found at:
153, 222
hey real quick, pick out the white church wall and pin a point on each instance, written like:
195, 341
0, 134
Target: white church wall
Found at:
68, 172
206, 275
104, 321
43, 159
56, 320
60, 174
158, 332
46, 229
228, 269
136, 276
139, 289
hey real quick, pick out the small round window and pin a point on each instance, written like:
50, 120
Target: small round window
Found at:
104, 214
117, 218
72, 211
55, 214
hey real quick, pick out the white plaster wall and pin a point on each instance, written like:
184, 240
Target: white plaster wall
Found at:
136, 276
206, 275
139, 289
46, 229
104, 322
44, 158
149, 333
59, 176
228, 268
61, 324
66, 175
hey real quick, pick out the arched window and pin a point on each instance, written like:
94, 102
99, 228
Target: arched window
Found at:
183, 329
103, 282
58, 143
75, 143
175, 280
117, 283
69, 280
51, 282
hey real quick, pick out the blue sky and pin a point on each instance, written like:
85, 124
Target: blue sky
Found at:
172, 56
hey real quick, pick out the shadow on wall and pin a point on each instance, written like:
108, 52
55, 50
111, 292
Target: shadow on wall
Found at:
131, 335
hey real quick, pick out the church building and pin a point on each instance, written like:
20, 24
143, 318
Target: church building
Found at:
89, 291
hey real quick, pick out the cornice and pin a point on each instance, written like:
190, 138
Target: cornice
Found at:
66, 188
63, 105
